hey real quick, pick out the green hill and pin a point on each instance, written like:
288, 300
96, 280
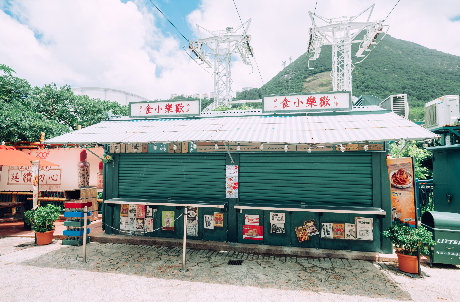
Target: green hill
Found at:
395, 66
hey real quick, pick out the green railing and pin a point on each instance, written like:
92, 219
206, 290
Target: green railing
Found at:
424, 196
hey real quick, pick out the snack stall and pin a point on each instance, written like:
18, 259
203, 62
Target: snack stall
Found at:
307, 171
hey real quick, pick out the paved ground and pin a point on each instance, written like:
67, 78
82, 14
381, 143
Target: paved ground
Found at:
121, 272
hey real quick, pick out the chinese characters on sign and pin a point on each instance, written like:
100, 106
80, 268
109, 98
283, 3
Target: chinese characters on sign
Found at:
311, 102
23, 175
165, 108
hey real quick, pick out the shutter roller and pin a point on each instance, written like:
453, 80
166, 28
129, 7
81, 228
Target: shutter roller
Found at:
175, 176
339, 179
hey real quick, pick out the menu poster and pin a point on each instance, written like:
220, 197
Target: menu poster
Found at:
251, 219
301, 233
208, 222
132, 224
132, 211
277, 217
350, 231
167, 220
231, 170
140, 224
124, 210
310, 227
231, 179
326, 230
338, 230
364, 228
192, 221
277, 228
218, 219
253, 232
402, 189
148, 224
148, 211
124, 224
140, 213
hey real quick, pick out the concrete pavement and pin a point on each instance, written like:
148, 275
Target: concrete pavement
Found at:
124, 272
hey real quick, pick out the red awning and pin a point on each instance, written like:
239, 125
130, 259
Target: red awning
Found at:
9, 156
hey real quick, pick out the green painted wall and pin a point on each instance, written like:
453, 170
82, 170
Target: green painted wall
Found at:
446, 179
330, 178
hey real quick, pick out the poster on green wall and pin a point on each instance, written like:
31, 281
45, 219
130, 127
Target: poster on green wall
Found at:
167, 220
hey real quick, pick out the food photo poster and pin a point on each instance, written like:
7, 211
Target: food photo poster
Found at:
402, 189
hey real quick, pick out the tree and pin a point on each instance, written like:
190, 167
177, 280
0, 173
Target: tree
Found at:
27, 111
423, 162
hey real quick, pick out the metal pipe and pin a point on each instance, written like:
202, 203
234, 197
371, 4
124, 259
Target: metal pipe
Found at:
184, 244
85, 215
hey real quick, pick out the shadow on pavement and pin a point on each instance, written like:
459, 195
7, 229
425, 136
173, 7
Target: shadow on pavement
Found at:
323, 275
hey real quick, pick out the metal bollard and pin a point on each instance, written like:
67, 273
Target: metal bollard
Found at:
85, 215
184, 247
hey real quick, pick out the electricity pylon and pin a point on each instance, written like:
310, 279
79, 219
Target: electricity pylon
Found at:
341, 33
222, 44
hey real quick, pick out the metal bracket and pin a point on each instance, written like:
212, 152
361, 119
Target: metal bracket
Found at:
228, 151
86, 148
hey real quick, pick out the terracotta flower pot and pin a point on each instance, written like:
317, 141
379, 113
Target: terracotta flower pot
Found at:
408, 264
44, 238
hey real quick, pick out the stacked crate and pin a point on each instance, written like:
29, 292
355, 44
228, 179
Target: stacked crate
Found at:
89, 194
74, 207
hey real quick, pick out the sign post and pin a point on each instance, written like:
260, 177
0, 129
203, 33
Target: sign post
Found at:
85, 216
35, 183
184, 244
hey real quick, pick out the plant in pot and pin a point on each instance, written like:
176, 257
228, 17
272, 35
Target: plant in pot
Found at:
42, 221
406, 240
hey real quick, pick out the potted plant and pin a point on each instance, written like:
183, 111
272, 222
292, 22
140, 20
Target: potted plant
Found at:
406, 240
42, 221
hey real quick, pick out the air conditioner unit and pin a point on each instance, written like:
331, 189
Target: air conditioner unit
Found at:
397, 103
443, 111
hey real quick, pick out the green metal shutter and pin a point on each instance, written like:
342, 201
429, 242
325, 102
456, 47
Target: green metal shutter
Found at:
175, 176
339, 179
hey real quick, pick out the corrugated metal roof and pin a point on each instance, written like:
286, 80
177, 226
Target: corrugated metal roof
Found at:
312, 129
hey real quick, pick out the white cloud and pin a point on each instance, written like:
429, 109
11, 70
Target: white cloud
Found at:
106, 43
102, 43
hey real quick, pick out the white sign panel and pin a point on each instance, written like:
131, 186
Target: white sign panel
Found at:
308, 102
165, 108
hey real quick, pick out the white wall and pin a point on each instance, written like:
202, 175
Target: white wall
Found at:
63, 177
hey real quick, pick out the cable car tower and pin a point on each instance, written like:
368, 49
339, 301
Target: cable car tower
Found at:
222, 44
341, 34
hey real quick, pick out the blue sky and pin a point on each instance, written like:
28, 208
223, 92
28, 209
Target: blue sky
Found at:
128, 45
176, 12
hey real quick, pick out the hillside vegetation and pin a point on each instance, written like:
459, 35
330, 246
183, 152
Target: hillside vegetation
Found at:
393, 67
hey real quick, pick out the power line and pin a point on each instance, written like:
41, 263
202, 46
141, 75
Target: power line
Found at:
257, 65
180, 34
168, 20
391, 11
197, 62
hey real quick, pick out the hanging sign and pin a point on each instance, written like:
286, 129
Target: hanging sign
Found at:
231, 179
402, 189
164, 108
330, 101
192, 221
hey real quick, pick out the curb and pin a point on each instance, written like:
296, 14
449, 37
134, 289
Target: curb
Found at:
246, 248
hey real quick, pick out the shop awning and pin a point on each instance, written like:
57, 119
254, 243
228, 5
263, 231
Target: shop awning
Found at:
375, 126
9, 156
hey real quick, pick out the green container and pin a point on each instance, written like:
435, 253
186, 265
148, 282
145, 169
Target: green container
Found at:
446, 233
